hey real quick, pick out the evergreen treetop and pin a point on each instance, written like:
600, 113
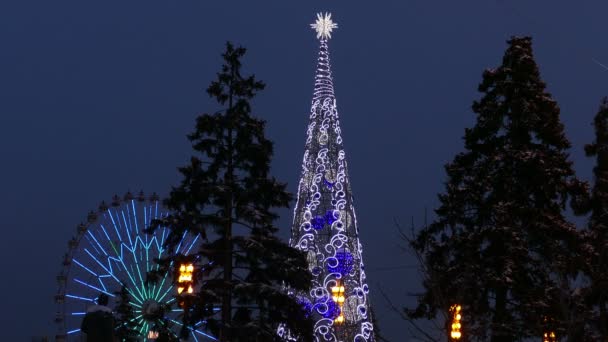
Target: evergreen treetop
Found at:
500, 244
596, 236
228, 196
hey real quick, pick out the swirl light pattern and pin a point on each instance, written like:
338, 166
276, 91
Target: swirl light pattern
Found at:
325, 225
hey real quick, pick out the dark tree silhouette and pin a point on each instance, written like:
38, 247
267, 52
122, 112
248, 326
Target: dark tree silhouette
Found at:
501, 246
596, 236
126, 324
228, 196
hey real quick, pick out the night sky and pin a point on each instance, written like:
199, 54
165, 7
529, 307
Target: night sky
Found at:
96, 99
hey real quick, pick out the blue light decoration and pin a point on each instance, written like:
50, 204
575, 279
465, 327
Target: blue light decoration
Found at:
329, 217
328, 184
325, 200
306, 305
318, 222
327, 308
110, 250
342, 263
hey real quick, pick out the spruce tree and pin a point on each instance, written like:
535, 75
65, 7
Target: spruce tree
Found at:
500, 245
596, 236
228, 196
126, 324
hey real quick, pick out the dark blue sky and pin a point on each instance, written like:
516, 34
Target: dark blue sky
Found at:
96, 99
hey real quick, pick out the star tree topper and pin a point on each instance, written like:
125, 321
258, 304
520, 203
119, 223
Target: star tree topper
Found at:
324, 25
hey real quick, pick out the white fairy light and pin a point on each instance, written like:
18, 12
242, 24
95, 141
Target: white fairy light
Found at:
325, 224
324, 25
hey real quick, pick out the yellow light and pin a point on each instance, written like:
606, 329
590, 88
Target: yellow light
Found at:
182, 268
334, 298
190, 290
341, 299
335, 289
190, 268
341, 288
455, 333
180, 290
340, 319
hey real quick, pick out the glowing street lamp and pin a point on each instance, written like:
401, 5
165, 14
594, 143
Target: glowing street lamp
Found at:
184, 282
455, 333
549, 334
337, 295
549, 337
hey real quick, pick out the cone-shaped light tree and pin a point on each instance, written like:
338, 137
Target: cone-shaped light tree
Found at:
325, 225
500, 245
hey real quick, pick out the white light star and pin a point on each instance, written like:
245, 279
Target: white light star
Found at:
324, 26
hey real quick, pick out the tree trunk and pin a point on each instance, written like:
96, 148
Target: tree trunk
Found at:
603, 320
228, 180
500, 314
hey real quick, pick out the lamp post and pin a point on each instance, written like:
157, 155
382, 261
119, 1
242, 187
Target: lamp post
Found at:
185, 282
455, 333
337, 293
549, 334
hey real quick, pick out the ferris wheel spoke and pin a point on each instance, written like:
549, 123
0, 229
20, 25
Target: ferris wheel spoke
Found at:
147, 257
166, 292
159, 244
94, 287
135, 215
141, 295
127, 228
114, 224
136, 305
137, 266
102, 266
192, 244
98, 244
92, 244
160, 287
204, 334
153, 291
84, 267
102, 284
80, 298
146, 213
180, 242
105, 232
144, 327
193, 335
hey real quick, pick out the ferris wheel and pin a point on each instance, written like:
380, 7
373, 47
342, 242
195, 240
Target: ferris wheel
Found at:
110, 251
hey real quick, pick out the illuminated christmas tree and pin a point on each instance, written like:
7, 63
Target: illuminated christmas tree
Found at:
325, 225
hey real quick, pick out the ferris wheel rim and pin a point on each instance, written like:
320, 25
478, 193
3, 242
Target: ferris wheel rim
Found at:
67, 268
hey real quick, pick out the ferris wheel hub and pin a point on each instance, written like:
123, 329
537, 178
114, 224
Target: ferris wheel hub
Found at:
152, 310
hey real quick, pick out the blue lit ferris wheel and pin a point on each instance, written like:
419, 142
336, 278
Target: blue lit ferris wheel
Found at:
111, 250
